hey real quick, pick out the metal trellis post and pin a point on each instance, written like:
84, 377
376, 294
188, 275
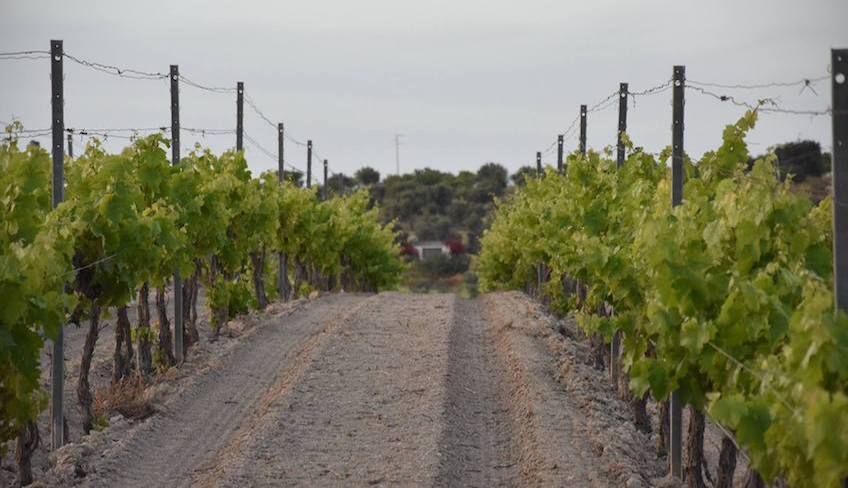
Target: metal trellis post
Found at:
583, 130
282, 272
57, 103
675, 409
560, 141
309, 163
239, 116
622, 123
175, 160
324, 189
839, 172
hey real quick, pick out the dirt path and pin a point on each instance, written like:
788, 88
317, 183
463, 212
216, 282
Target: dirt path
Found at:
477, 442
365, 411
167, 450
387, 390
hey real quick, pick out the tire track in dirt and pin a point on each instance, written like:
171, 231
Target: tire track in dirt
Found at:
367, 410
170, 446
290, 374
478, 445
582, 433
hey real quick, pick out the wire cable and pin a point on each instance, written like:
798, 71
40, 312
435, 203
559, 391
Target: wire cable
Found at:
27, 55
804, 83
259, 146
259, 112
116, 70
200, 86
766, 105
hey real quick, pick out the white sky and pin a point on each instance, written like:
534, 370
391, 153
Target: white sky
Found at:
466, 82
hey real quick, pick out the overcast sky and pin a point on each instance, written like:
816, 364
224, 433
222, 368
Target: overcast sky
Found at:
465, 82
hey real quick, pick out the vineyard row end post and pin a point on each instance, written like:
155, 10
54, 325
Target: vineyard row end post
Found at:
71, 146
175, 160
57, 105
538, 164
675, 409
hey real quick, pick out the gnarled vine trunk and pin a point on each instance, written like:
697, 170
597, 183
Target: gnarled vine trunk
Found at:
190, 334
615, 359
165, 349
693, 465
84, 395
662, 439
27, 443
123, 357
348, 281
283, 277
638, 405
198, 271
145, 358
726, 463
299, 276
599, 349
220, 311
257, 259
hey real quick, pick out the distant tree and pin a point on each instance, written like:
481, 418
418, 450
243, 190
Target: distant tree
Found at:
341, 184
294, 176
491, 182
435, 205
826, 162
520, 177
429, 176
494, 173
367, 176
432, 228
801, 159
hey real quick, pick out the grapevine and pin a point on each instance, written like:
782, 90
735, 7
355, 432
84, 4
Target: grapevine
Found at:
129, 220
725, 298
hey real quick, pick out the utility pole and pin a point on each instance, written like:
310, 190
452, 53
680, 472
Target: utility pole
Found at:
397, 153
